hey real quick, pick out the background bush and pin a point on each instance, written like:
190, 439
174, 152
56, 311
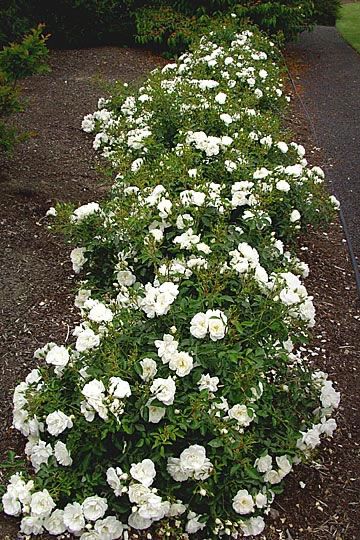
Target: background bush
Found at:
326, 11
163, 23
70, 22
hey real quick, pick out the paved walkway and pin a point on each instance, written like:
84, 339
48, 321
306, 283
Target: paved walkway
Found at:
331, 94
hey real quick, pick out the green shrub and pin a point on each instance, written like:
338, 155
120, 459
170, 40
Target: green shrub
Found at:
182, 381
175, 24
326, 11
165, 24
18, 60
70, 22
167, 28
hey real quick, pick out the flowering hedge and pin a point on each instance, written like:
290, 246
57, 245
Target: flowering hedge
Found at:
184, 400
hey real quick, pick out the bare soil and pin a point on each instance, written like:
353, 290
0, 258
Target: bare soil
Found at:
36, 293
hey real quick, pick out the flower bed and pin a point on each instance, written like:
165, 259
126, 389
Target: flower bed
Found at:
186, 397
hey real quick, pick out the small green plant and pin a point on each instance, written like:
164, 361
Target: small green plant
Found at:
18, 60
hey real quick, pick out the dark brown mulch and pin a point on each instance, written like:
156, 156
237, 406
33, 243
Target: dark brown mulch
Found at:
36, 293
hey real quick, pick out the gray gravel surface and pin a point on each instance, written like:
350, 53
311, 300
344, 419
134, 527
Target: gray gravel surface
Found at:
331, 95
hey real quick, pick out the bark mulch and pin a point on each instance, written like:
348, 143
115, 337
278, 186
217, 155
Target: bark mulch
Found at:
36, 293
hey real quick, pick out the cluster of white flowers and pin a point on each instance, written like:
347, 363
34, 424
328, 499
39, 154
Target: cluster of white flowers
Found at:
214, 322
98, 401
158, 299
40, 513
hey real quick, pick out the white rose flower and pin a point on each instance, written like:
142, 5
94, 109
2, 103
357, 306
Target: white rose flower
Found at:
33, 377
91, 535
295, 216
78, 259
109, 528
243, 503
62, 454
40, 454
260, 500
261, 173
144, 472
329, 397
74, 517
87, 339
126, 278
175, 470
54, 523
177, 509
149, 369
113, 478
82, 296
207, 382
139, 494
94, 507
216, 324
135, 521
41, 504
193, 524
84, 211
58, 357
183, 221
100, 313
283, 147
119, 388
226, 118
241, 415
193, 458
57, 422
253, 526
157, 234
182, 363
164, 390
199, 325
328, 426
32, 525
273, 477
221, 98
282, 185
284, 465
294, 170
311, 438
156, 414
166, 347
335, 202
11, 504
264, 463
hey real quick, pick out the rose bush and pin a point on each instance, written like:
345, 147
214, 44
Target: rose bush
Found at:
185, 398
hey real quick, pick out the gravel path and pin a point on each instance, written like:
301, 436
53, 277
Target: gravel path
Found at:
331, 94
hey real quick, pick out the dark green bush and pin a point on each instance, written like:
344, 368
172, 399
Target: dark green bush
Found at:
70, 22
167, 24
173, 24
326, 11
18, 60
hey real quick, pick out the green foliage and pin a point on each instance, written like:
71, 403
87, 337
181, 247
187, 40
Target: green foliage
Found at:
326, 11
170, 24
174, 25
18, 60
167, 28
70, 22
